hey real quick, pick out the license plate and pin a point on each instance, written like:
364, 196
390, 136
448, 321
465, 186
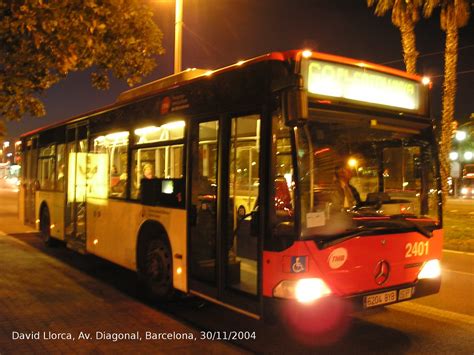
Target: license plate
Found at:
380, 298
405, 293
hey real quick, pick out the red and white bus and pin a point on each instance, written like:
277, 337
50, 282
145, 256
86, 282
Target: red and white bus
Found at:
222, 184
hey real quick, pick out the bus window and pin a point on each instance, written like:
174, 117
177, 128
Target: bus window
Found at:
244, 183
46, 167
163, 162
283, 181
114, 147
60, 166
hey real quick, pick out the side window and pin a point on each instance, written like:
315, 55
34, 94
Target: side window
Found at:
111, 150
60, 166
283, 180
46, 167
162, 162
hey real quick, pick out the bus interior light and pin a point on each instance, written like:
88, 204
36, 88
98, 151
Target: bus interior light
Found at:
173, 125
146, 130
431, 270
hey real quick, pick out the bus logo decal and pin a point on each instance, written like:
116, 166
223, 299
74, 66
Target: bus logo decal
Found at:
298, 264
382, 272
165, 105
337, 258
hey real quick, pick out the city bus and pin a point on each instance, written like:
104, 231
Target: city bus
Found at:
222, 184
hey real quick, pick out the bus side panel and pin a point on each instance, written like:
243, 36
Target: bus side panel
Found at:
113, 227
112, 230
55, 203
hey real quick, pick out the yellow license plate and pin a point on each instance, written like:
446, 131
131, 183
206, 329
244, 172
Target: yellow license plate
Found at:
380, 298
405, 293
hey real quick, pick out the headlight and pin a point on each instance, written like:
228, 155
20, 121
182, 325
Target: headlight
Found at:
431, 270
304, 290
464, 190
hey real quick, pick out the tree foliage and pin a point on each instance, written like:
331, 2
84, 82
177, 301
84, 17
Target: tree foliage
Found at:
405, 14
42, 41
454, 15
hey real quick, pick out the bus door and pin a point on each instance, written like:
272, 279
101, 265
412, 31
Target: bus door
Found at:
224, 223
77, 176
30, 182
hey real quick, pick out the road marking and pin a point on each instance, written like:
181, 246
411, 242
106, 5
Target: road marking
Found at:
459, 272
457, 252
433, 313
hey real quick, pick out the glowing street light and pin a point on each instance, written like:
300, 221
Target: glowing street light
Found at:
453, 156
460, 135
468, 155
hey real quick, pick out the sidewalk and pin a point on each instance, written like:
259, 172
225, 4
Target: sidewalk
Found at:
42, 298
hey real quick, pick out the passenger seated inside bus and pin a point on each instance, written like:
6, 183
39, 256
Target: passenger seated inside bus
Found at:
119, 189
148, 171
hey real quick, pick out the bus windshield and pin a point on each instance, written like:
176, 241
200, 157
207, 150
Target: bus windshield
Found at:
355, 177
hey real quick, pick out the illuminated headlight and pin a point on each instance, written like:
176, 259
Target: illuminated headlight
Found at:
304, 290
431, 270
464, 190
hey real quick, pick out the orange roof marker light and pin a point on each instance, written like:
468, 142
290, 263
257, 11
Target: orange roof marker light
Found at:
307, 53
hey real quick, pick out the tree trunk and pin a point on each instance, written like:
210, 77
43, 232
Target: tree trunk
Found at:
410, 54
449, 96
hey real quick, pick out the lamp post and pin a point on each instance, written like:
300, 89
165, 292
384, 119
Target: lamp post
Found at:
178, 36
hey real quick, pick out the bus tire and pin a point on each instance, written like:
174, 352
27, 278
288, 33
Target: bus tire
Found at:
45, 228
156, 273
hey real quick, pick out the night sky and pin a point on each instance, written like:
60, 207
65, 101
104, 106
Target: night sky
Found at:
221, 32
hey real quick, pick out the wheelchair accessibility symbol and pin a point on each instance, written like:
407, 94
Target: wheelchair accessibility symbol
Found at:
298, 264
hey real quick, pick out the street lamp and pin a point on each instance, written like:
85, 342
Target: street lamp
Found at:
460, 135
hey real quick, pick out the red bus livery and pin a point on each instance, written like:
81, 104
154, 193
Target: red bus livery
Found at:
279, 183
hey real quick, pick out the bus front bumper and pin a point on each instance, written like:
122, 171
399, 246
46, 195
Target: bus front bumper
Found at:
275, 308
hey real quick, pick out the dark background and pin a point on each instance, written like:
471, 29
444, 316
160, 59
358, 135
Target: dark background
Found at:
218, 33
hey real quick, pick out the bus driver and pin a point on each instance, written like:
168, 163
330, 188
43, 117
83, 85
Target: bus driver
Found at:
346, 195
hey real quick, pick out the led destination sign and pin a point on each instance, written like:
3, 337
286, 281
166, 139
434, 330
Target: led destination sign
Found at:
348, 83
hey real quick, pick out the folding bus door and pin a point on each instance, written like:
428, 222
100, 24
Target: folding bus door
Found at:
78, 172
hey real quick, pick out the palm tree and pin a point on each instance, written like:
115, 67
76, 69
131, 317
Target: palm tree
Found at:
454, 15
405, 14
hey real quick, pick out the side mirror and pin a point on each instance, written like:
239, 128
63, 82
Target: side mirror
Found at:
295, 106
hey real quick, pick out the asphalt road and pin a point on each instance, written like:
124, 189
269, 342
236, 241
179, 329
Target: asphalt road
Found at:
443, 323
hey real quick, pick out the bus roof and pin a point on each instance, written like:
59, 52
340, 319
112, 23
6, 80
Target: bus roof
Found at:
190, 75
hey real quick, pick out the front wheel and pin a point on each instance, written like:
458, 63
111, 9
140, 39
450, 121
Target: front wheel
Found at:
157, 270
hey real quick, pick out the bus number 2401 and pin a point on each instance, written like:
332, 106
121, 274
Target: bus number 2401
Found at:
416, 249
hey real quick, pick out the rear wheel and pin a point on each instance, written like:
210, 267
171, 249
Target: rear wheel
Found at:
45, 228
157, 270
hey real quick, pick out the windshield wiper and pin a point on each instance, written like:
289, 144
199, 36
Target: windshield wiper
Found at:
413, 225
343, 236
